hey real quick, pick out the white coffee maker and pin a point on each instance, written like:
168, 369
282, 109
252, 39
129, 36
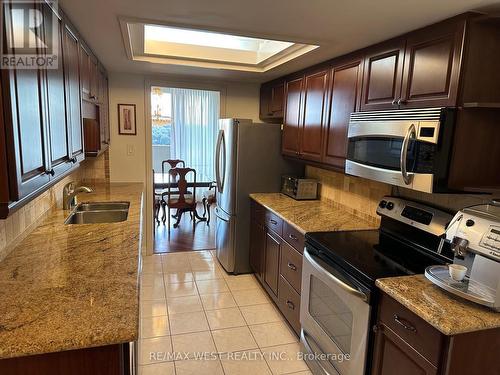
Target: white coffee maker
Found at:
474, 236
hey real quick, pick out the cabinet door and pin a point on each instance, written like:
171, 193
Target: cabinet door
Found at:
277, 97
272, 261
25, 90
382, 76
265, 101
107, 132
394, 356
315, 103
344, 99
291, 124
59, 131
85, 72
94, 79
257, 247
432, 66
73, 94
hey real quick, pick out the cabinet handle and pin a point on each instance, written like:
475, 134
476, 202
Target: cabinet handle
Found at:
50, 171
375, 328
292, 266
106, 142
394, 102
292, 237
401, 101
290, 304
404, 323
273, 222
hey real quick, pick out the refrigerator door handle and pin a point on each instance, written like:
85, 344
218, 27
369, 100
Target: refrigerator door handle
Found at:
217, 161
222, 147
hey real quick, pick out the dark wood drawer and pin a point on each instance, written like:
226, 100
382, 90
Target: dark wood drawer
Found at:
289, 304
274, 222
419, 334
293, 236
257, 212
291, 266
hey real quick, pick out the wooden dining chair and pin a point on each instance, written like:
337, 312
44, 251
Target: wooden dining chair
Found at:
166, 166
182, 199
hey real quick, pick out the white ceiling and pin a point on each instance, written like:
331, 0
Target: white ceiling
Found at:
338, 26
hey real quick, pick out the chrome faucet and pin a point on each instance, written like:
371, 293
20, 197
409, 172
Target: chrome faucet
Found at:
70, 193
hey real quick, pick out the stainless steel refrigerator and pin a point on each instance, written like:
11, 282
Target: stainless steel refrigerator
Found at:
248, 160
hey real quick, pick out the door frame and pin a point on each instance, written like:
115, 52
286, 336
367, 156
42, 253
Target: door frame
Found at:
164, 82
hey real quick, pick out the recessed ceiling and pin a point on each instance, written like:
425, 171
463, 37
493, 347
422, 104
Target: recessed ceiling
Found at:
177, 45
338, 26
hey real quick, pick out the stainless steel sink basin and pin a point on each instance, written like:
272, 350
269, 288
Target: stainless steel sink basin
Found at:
98, 212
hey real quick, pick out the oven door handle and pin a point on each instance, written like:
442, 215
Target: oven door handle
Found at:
306, 343
412, 132
349, 289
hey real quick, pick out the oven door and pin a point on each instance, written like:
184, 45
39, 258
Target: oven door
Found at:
335, 315
396, 152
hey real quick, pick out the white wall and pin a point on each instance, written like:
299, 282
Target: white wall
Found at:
241, 100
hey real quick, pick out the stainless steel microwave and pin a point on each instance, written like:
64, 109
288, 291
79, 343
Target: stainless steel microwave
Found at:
409, 148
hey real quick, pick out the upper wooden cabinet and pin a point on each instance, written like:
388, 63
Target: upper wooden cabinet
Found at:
314, 115
345, 93
292, 120
272, 95
89, 74
383, 74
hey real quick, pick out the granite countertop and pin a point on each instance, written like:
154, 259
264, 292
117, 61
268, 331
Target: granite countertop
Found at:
449, 314
312, 216
73, 286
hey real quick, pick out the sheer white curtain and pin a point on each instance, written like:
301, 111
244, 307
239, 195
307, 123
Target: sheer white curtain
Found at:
195, 118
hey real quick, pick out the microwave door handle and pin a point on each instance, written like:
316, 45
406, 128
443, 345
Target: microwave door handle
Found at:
349, 289
404, 153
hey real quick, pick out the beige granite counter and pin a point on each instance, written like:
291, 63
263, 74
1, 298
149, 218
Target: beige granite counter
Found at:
449, 314
312, 216
73, 286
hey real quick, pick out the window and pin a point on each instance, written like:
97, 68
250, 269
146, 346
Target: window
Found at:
161, 116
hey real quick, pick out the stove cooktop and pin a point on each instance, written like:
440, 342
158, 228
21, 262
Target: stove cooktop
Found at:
369, 254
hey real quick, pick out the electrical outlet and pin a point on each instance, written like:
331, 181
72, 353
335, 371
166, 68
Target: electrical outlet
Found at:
130, 150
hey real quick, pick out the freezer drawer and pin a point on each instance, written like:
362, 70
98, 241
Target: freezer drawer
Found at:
225, 239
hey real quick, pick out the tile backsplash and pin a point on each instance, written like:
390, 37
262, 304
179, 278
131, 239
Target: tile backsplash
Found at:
19, 224
357, 194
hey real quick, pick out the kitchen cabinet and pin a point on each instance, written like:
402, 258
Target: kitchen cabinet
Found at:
272, 95
96, 120
383, 72
345, 93
89, 74
292, 119
405, 343
276, 248
314, 115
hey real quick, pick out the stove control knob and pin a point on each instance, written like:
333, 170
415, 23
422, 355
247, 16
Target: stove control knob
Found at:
390, 205
382, 204
469, 223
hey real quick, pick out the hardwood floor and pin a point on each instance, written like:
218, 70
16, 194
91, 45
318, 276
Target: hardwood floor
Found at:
185, 237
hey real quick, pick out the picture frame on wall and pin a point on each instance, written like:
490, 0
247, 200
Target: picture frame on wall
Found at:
127, 119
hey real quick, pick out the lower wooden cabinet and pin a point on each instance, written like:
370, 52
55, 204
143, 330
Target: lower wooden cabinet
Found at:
276, 260
407, 344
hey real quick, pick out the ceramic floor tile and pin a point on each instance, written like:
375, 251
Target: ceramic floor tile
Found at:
184, 304
177, 277
250, 297
225, 318
152, 308
234, 339
250, 362
151, 268
181, 290
203, 266
218, 301
155, 350
188, 322
204, 254
197, 367
258, 314
176, 266
193, 344
272, 334
285, 360
212, 286
207, 275
151, 293
242, 282
154, 327
152, 279
165, 368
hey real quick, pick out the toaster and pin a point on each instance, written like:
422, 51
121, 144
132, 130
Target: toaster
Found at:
299, 188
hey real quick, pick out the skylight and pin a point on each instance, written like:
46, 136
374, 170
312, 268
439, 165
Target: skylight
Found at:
166, 40
180, 45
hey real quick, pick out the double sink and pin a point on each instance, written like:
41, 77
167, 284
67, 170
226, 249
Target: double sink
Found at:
98, 212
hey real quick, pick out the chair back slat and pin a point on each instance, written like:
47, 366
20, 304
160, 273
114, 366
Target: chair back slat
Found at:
172, 163
179, 176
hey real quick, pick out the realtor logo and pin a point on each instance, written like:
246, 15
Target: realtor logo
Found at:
30, 35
